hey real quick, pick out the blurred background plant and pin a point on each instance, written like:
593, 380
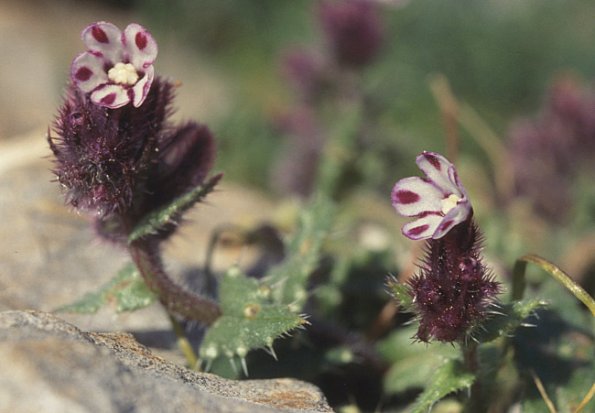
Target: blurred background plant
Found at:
504, 88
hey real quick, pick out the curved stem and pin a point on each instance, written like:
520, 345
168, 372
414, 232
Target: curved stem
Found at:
175, 299
555, 272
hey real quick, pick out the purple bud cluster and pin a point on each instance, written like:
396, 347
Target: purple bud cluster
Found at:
353, 36
123, 163
548, 152
353, 29
453, 291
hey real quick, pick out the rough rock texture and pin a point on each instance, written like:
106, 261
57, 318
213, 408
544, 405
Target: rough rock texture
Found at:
50, 257
51, 366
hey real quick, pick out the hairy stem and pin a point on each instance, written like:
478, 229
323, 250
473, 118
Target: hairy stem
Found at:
471, 361
175, 299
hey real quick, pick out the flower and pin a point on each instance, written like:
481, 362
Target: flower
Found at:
307, 72
549, 151
117, 67
354, 30
438, 201
102, 157
122, 165
453, 291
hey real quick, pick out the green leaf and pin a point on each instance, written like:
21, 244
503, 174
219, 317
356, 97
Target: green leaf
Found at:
401, 292
250, 319
169, 214
508, 318
303, 251
449, 377
413, 363
127, 290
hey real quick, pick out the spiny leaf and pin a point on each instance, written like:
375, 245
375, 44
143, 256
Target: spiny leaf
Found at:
507, 319
250, 319
169, 214
401, 293
127, 290
303, 251
449, 377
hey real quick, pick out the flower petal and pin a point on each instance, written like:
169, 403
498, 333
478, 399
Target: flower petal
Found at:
436, 167
105, 39
453, 176
141, 89
422, 228
140, 46
110, 96
414, 196
454, 217
87, 72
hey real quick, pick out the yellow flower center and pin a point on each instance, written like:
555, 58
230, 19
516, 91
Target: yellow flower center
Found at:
123, 74
449, 203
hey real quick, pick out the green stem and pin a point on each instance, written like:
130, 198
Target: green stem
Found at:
184, 343
340, 151
518, 281
476, 401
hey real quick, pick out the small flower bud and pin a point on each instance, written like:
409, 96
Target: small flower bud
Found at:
354, 30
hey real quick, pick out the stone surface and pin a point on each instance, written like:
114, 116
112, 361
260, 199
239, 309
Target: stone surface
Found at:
51, 366
49, 257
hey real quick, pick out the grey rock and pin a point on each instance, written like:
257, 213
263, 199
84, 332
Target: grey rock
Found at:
50, 365
49, 257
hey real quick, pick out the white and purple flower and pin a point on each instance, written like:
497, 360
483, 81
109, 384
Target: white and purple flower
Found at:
117, 67
438, 201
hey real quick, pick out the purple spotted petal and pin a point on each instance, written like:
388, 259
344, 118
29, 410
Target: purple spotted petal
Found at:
436, 167
439, 201
105, 39
87, 72
414, 196
422, 228
110, 96
140, 46
454, 217
453, 176
141, 89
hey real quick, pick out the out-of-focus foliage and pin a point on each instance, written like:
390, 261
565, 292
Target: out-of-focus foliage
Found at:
499, 59
498, 55
127, 291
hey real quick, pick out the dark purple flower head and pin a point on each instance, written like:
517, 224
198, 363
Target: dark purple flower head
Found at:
117, 67
548, 152
438, 201
354, 30
102, 155
124, 162
453, 291
307, 72
295, 171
